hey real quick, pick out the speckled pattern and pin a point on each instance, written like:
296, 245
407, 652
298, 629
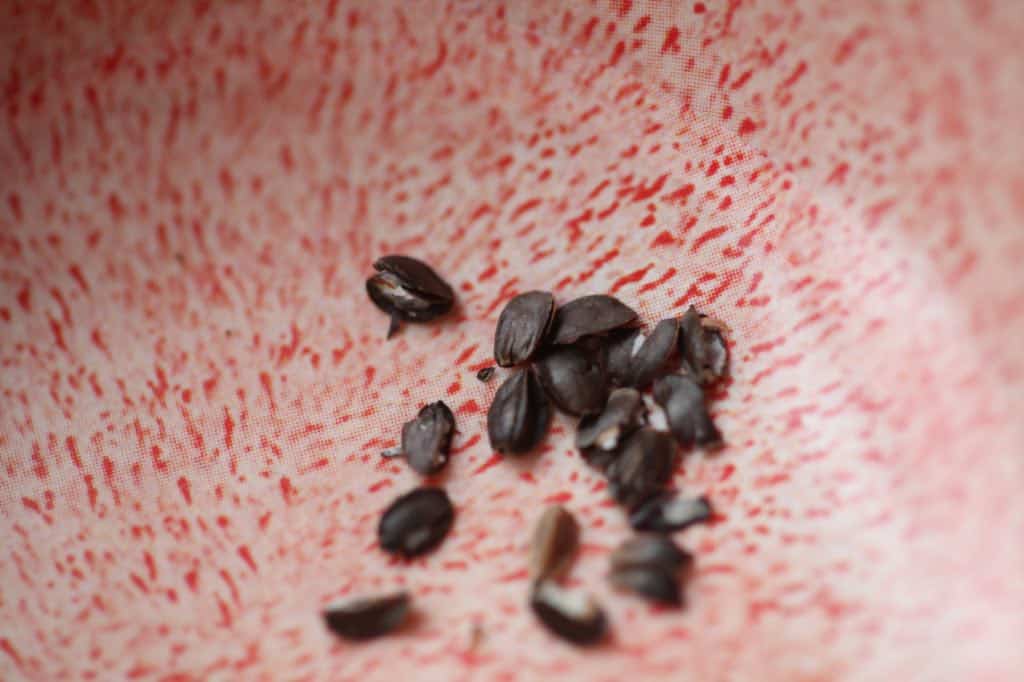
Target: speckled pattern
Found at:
194, 388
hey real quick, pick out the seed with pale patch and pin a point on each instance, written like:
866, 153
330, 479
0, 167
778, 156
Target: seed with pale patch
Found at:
416, 522
705, 355
595, 314
619, 349
649, 583
408, 289
574, 379
519, 414
669, 513
572, 615
368, 617
682, 398
649, 565
427, 439
599, 436
522, 327
485, 374
649, 360
554, 543
643, 468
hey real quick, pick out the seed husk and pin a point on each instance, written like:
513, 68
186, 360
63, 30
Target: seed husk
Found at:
594, 314
652, 550
368, 617
649, 582
574, 616
599, 436
554, 543
717, 356
682, 398
574, 379
669, 513
408, 289
522, 327
427, 439
519, 415
655, 352
485, 374
416, 522
643, 468
620, 346
702, 346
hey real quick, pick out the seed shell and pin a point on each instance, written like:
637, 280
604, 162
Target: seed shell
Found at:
574, 379
573, 616
670, 513
416, 522
522, 327
643, 468
682, 398
594, 314
369, 617
554, 543
427, 439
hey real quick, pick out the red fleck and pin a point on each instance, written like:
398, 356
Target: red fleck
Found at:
466, 354
264, 521
229, 428
39, 466
558, 498
838, 175
680, 195
665, 238
58, 334
494, 459
658, 282
116, 207
186, 492
92, 492
72, 447
454, 387
800, 70
265, 382
243, 551
468, 407
192, 580
642, 24
711, 234
634, 276
747, 126
643, 193
699, 8
76, 273
671, 43
286, 489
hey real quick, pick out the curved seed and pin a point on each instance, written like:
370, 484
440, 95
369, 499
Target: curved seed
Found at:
717, 358
427, 438
653, 550
649, 582
366, 618
522, 326
654, 353
519, 415
416, 522
683, 401
643, 468
574, 380
573, 616
702, 346
554, 543
668, 513
595, 314
485, 374
622, 414
416, 276
408, 289
621, 345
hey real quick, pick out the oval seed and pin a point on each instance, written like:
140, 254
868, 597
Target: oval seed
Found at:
649, 582
574, 379
554, 543
416, 522
683, 401
573, 616
621, 345
595, 314
653, 550
366, 618
622, 414
643, 468
669, 513
408, 289
427, 438
522, 326
655, 352
519, 415
705, 355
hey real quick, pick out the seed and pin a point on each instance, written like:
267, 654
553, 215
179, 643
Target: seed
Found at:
621, 345
554, 543
651, 583
522, 326
595, 314
656, 350
717, 358
416, 522
683, 401
408, 289
656, 418
650, 549
702, 346
485, 374
573, 616
598, 436
574, 379
366, 618
643, 468
668, 513
427, 438
395, 451
519, 415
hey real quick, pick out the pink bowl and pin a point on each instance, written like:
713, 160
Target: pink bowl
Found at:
195, 389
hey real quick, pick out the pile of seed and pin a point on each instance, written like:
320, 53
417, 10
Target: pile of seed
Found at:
640, 398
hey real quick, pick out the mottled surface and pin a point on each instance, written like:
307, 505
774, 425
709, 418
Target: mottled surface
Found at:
194, 388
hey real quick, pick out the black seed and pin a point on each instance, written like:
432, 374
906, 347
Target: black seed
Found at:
427, 438
416, 522
573, 616
519, 415
643, 468
595, 314
367, 618
574, 379
485, 374
649, 360
668, 513
705, 354
652, 550
648, 582
682, 398
408, 289
554, 543
522, 326
601, 434
619, 355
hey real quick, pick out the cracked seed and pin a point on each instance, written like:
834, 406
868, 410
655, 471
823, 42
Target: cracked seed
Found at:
427, 439
408, 289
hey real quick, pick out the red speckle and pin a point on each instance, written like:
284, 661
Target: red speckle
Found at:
747, 126
658, 282
711, 234
229, 428
699, 8
468, 407
243, 551
558, 498
116, 207
24, 299
192, 580
643, 193
186, 492
286, 489
671, 43
494, 459
634, 276
466, 354
92, 492
454, 388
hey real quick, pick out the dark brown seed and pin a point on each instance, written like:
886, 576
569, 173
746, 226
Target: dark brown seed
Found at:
622, 414
519, 415
650, 549
574, 379
367, 618
573, 616
522, 327
648, 361
408, 289
717, 356
643, 468
682, 398
702, 346
595, 314
668, 513
649, 582
485, 374
416, 522
621, 346
427, 438
554, 543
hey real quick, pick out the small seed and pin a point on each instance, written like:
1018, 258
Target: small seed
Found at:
408, 289
574, 379
702, 346
366, 618
648, 582
554, 543
683, 401
573, 616
519, 415
598, 436
595, 314
427, 438
416, 522
643, 468
485, 374
621, 345
522, 326
650, 549
668, 513
656, 350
